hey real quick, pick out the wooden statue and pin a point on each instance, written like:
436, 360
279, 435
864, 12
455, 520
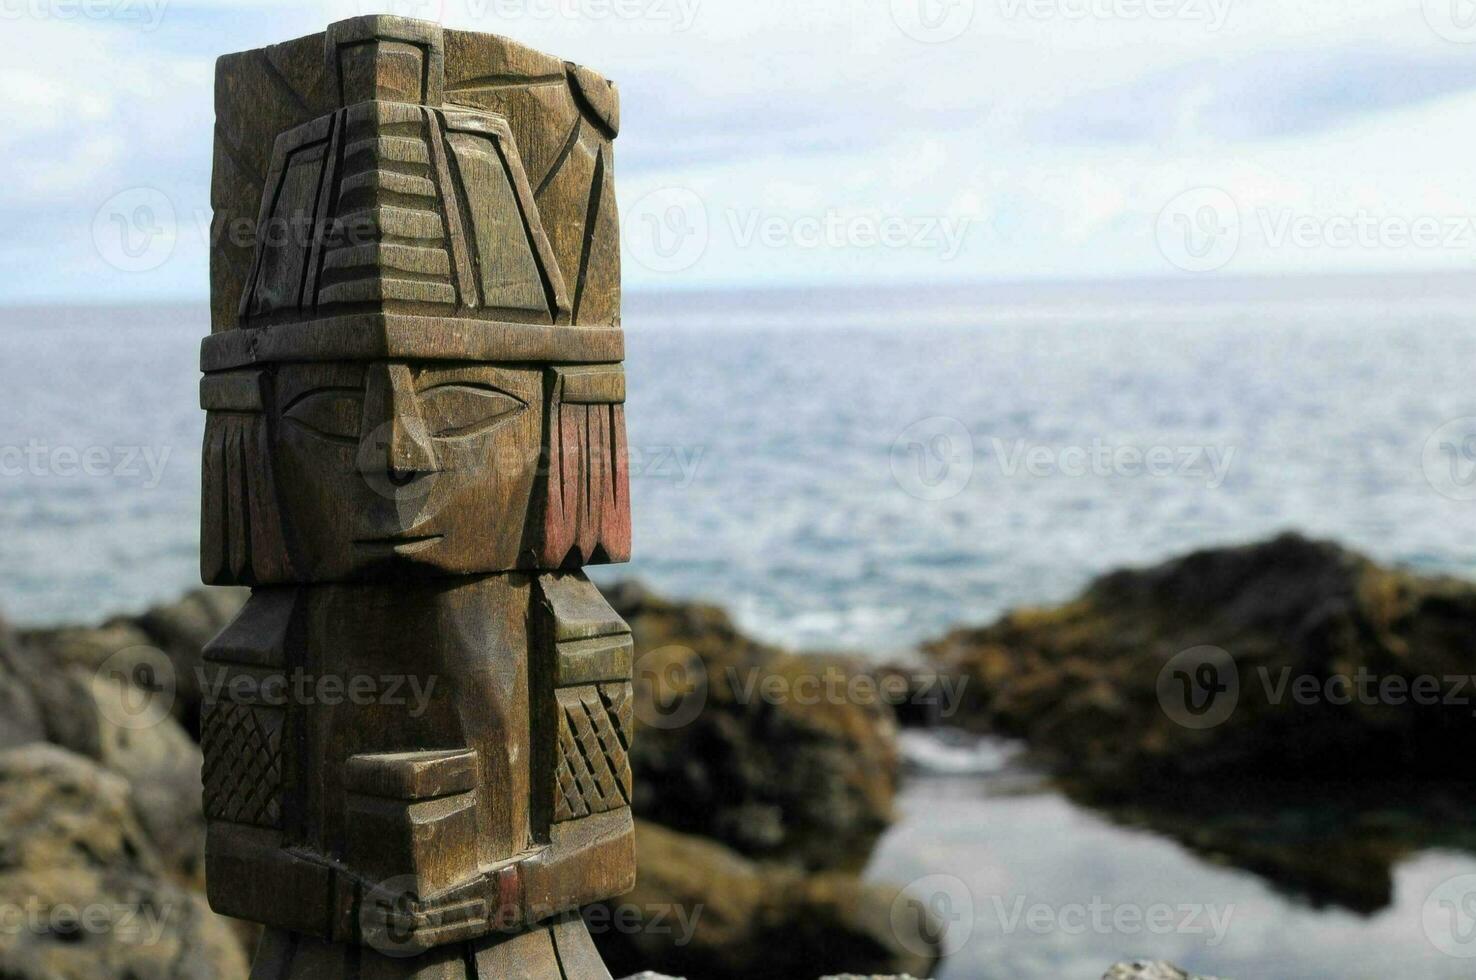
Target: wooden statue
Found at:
416, 764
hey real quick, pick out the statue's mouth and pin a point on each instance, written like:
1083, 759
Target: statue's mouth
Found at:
403, 545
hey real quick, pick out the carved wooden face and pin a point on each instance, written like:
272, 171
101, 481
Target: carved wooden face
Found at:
391, 466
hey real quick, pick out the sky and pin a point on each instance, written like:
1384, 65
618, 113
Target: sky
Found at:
821, 142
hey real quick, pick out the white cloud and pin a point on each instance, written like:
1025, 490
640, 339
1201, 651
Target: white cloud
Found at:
1057, 140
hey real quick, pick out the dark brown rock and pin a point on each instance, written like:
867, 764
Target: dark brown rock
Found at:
1093, 684
89, 893
701, 911
78, 683
177, 630
757, 748
21, 722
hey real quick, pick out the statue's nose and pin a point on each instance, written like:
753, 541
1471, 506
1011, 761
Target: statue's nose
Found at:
395, 441
410, 452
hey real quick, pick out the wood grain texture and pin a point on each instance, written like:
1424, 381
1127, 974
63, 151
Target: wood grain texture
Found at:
417, 733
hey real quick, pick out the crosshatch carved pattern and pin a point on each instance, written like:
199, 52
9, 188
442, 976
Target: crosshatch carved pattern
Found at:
243, 764
593, 773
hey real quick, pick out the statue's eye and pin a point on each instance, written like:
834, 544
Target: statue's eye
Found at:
456, 410
333, 413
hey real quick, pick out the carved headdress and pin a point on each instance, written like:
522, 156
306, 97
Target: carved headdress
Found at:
426, 215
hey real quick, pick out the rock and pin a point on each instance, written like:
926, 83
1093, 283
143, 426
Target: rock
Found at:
778, 756
162, 765
21, 721
181, 630
85, 894
1097, 685
127, 730
120, 694
178, 630
1149, 971
700, 909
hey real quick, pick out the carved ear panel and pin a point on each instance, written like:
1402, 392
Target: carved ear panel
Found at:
586, 517
242, 729
590, 686
250, 772
241, 539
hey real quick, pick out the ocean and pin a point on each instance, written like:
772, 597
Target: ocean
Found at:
855, 469
862, 469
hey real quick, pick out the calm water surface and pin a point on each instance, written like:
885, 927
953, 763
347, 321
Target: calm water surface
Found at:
1017, 873
869, 475
857, 479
